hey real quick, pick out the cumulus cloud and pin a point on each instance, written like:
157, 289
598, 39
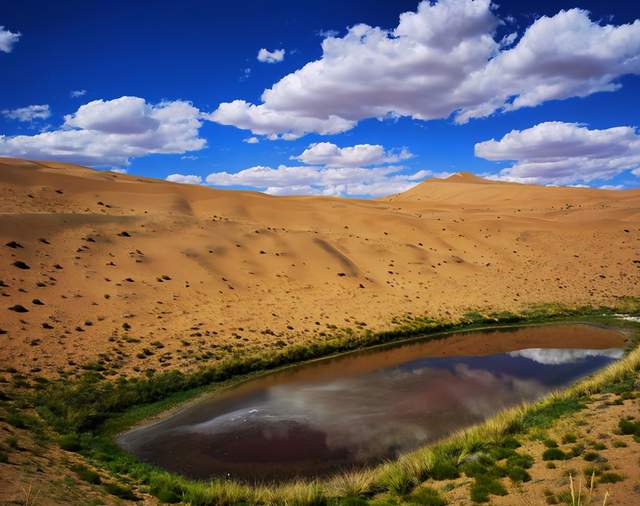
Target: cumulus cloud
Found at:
8, 39
564, 153
327, 153
77, 93
314, 180
28, 113
112, 132
276, 124
356, 170
443, 59
184, 179
266, 56
251, 140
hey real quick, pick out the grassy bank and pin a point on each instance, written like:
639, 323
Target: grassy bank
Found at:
87, 412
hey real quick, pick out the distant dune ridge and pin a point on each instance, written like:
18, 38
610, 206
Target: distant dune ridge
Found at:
185, 271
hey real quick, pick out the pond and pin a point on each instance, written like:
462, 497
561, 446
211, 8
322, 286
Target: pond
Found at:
363, 407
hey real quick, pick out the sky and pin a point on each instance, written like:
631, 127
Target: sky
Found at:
359, 99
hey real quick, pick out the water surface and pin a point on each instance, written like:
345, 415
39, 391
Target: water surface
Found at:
363, 407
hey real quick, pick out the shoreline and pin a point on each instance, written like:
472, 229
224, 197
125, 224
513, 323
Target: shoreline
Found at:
492, 429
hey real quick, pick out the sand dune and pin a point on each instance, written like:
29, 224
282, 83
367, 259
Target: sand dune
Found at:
149, 274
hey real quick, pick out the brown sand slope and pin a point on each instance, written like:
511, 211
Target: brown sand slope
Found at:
195, 271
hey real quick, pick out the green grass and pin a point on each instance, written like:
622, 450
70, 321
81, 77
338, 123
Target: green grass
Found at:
426, 496
86, 474
123, 492
89, 411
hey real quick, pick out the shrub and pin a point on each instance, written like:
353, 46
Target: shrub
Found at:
353, 501
629, 427
86, 474
123, 492
554, 454
610, 477
70, 443
518, 474
592, 457
485, 486
444, 469
427, 496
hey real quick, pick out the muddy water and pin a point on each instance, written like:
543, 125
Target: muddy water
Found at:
364, 407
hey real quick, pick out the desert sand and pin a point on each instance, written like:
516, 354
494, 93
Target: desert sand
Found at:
188, 273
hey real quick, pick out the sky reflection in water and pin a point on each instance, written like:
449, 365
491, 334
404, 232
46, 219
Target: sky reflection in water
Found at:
311, 425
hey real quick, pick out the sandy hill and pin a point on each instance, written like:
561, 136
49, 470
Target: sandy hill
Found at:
148, 274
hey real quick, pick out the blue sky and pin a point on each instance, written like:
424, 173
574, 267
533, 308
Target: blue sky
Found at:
205, 54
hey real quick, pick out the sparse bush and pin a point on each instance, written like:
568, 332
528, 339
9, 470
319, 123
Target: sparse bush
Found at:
86, 474
426, 496
553, 454
610, 478
123, 492
70, 443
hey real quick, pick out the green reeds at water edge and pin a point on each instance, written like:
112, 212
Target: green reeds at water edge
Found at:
87, 414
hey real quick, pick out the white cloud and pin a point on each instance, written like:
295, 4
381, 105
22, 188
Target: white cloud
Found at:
636, 172
28, 113
266, 56
616, 187
112, 132
439, 61
327, 33
559, 356
330, 155
564, 153
325, 175
251, 140
275, 124
314, 180
77, 93
184, 179
8, 39
118, 170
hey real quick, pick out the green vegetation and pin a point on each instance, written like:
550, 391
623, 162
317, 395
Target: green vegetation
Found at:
554, 454
89, 411
426, 496
86, 474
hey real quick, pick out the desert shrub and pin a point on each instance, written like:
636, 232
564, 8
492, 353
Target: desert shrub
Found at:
592, 457
398, 481
629, 427
553, 454
426, 496
485, 486
444, 469
518, 474
86, 474
610, 477
70, 442
123, 492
